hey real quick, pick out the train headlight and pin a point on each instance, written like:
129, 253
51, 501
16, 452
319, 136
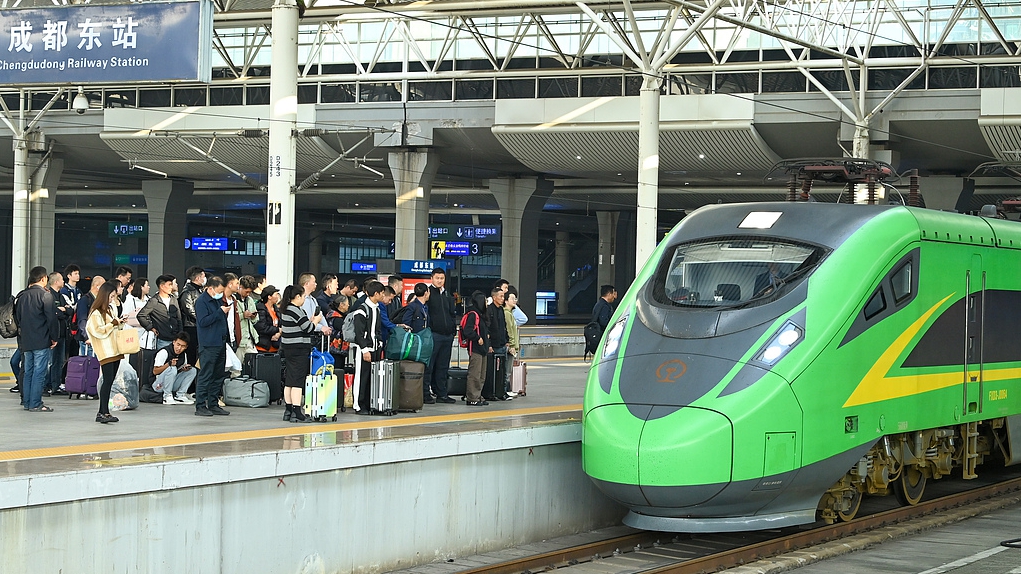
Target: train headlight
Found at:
613, 337
781, 343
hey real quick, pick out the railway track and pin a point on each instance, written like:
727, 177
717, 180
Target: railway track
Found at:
669, 553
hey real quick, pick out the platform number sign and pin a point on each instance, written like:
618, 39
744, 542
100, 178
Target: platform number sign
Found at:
275, 166
274, 213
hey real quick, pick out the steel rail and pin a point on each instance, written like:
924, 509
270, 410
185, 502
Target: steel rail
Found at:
747, 553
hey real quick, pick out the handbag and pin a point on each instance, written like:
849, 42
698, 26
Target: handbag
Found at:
126, 341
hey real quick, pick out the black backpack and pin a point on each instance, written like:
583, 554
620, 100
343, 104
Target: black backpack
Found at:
593, 332
8, 320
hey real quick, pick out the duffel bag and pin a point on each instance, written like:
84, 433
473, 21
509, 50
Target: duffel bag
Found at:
245, 392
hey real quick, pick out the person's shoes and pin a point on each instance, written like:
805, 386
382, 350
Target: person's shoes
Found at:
16, 389
507, 397
477, 403
445, 400
91, 397
169, 400
41, 409
490, 398
429, 401
107, 418
220, 403
202, 411
363, 412
59, 392
299, 416
184, 399
512, 394
47, 393
218, 410
288, 411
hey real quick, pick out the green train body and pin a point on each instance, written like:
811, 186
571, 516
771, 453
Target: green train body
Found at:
889, 355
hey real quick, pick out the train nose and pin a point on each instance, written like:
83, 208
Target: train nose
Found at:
647, 459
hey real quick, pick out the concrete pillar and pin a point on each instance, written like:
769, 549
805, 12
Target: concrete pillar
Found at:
607, 260
283, 106
315, 255
43, 199
167, 201
413, 172
648, 170
21, 222
521, 202
562, 270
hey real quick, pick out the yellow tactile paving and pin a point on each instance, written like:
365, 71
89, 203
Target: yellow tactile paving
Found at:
276, 432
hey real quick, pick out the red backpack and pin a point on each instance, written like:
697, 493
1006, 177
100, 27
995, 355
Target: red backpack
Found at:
464, 324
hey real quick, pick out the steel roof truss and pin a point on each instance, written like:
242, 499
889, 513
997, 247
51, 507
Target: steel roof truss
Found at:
473, 29
222, 50
955, 16
520, 32
892, 4
337, 31
412, 42
454, 26
389, 29
317, 48
252, 51
540, 24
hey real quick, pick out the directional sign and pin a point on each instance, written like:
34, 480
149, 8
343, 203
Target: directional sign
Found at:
117, 229
209, 244
483, 233
420, 267
362, 267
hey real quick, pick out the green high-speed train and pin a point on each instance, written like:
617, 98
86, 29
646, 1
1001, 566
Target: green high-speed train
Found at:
774, 362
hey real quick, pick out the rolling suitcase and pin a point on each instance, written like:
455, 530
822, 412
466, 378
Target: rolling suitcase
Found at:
142, 362
266, 367
82, 376
519, 374
494, 388
411, 378
321, 389
384, 386
457, 381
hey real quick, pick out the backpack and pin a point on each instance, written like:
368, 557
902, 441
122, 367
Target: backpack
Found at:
401, 316
8, 320
464, 325
347, 331
593, 332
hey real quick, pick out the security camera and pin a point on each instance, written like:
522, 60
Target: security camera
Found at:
80, 104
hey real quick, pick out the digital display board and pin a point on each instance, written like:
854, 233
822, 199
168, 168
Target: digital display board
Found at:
362, 267
206, 244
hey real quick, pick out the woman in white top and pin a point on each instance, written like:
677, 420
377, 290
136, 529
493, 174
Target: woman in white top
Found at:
133, 302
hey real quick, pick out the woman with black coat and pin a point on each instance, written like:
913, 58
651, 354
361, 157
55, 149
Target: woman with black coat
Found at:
268, 325
477, 336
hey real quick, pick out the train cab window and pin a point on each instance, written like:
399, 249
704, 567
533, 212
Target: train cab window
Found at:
901, 283
876, 304
732, 272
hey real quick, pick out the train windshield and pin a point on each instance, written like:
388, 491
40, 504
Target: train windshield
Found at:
733, 272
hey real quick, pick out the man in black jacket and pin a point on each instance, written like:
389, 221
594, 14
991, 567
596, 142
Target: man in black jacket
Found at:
37, 335
443, 322
63, 312
190, 293
369, 338
496, 373
160, 313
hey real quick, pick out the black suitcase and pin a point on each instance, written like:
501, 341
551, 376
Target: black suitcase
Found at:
142, 362
457, 381
494, 388
266, 367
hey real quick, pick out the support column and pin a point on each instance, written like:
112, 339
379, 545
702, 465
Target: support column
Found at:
562, 270
521, 202
20, 244
283, 98
43, 199
607, 261
413, 172
166, 202
648, 169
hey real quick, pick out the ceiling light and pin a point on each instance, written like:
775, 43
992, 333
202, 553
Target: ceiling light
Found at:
701, 156
738, 173
577, 157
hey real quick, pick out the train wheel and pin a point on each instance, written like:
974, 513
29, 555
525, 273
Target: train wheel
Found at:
852, 507
910, 486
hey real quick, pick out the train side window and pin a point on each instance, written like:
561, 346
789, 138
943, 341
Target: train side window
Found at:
876, 304
901, 283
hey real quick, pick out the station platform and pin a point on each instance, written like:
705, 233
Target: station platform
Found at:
448, 481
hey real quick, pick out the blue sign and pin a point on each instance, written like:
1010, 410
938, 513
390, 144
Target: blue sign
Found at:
154, 41
208, 244
484, 233
362, 267
457, 249
422, 267
139, 259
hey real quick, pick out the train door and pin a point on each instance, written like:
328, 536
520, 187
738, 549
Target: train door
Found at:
973, 340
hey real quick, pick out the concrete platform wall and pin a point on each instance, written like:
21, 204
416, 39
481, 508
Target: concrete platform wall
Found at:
362, 518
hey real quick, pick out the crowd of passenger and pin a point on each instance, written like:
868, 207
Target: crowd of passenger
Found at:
189, 332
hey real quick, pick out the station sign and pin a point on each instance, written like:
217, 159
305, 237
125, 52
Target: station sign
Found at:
124, 259
215, 244
481, 233
441, 249
422, 267
362, 267
137, 42
119, 229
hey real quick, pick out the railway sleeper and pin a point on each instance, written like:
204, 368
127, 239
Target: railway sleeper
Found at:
904, 462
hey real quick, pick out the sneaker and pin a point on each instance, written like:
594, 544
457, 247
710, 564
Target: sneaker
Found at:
169, 400
47, 393
16, 389
429, 401
184, 400
59, 391
202, 411
446, 400
477, 403
217, 410
511, 394
107, 418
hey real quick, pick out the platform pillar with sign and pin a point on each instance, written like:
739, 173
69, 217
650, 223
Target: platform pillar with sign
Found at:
413, 172
167, 201
41, 215
607, 260
521, 202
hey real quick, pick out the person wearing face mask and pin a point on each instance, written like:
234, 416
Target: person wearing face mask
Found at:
186, 303
211, 325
